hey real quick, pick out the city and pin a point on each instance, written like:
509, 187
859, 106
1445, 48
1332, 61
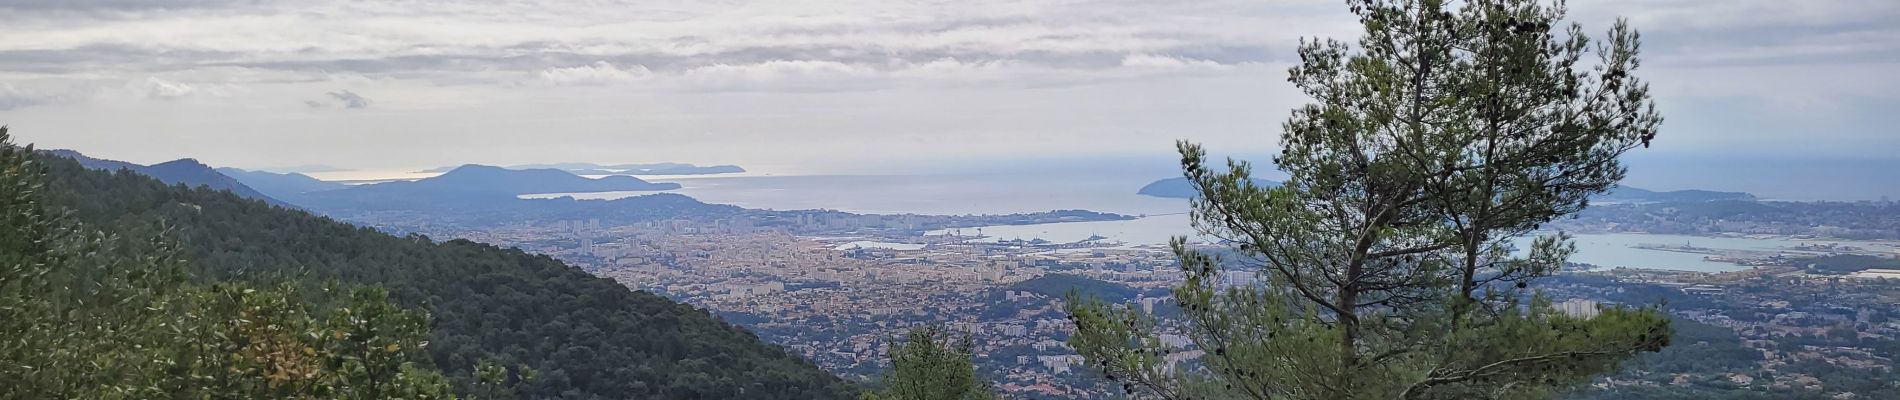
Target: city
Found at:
840, 299
949, 200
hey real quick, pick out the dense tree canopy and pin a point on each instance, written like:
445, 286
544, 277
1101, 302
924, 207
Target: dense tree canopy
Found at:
508, 312
89, 315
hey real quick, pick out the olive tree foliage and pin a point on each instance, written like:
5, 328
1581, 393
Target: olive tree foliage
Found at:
931, 365
1384, 268
87, 315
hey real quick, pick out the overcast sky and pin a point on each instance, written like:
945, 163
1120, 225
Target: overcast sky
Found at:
803, 86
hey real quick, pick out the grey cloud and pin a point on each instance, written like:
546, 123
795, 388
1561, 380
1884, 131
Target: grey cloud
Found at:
1777, 45
1090, 38
161, 89
1085, 39
114, 5
12, 97
930, 26
343, 98
112, 10
107, 56
1198, 66
420, 66
1755, 32
10, 101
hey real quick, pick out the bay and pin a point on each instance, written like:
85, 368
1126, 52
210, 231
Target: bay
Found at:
940, 194
1160, 219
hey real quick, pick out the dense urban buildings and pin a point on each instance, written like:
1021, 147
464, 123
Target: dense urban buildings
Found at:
839, 299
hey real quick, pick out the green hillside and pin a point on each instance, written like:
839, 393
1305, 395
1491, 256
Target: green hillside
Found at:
587, 337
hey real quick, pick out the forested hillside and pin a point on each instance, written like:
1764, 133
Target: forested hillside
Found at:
184, 171
91, 314
586, 337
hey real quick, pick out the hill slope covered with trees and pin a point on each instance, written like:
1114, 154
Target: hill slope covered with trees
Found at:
586, 337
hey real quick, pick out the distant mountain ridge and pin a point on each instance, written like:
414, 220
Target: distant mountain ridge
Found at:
488, 192
475, 178
280, 185
623, 169
1181, 188
94, 163
587, 337
185, 171
1625, 194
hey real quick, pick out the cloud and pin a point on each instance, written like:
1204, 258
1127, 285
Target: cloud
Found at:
161, 89
600, 72
478, 41
1755, 32
785, 74
350, 99
1157, 62
564, 43
1069, 75
343, 98
12, 98
109, 5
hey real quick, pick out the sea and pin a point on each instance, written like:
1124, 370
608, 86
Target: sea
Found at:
1158, 219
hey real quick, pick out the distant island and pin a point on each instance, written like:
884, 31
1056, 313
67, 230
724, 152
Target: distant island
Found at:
623, 169
486, 179
1627, 194
483, 195
1181, 188
486, 193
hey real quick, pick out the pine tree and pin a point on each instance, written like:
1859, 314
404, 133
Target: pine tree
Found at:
930, 365
1384, 266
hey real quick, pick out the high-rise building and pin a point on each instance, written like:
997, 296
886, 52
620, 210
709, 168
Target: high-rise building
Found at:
1580, 308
